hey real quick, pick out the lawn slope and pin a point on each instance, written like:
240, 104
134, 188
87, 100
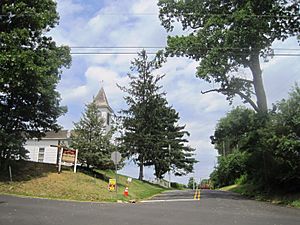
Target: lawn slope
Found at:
38, 180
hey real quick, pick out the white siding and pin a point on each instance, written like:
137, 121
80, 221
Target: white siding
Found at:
31, 146
50, 152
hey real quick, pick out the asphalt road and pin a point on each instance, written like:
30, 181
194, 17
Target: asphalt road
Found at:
213, 208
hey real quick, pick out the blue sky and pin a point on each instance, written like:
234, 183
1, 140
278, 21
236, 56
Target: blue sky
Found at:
124, 23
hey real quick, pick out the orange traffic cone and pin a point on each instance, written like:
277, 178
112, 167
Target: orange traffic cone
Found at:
126, 192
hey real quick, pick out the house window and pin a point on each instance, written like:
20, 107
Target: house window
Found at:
41, 154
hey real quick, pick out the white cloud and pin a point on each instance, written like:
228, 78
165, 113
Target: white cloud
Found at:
95, 77
142, 6
68, 8
75, 93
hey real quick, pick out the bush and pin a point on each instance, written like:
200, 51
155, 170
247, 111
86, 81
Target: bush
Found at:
241, 180
230, 168
177, 185
268, 148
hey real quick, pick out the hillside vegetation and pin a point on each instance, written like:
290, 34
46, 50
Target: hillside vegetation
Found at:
262, 150
292, 199
42, 180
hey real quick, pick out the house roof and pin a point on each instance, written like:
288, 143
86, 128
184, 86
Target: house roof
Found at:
62, 134
101, 100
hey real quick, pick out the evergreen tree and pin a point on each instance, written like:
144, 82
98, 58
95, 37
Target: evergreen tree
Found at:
30, 68
91, 139
150, 124
171, 152
139, 137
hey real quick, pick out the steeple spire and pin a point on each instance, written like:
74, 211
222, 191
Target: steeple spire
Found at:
101, 100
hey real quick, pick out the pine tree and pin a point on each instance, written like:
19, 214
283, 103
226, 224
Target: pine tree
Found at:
150, 124
171, 152
138, 118
91, 139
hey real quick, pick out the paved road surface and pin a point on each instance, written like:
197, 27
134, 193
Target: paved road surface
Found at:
213, 208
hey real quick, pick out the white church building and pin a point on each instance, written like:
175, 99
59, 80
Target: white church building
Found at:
41, 150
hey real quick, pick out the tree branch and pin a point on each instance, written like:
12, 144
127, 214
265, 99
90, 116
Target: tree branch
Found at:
212, 90
244, 80
249, 100
242, 95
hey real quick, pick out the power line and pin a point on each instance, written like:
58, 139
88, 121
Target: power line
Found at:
153, 53
109, 53
88, 48
198, 14
282, 54
161, 47
190, 13
88, 52
116, 47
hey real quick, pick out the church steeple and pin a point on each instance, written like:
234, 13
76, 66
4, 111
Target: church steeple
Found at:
101, 100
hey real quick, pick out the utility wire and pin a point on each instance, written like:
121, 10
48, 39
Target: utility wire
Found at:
153, 53
81, 49
191, 13
123, 47
161, 47
287, 51
198, 14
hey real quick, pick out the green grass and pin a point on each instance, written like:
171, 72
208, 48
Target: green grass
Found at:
46, 183
137, 189
276, 198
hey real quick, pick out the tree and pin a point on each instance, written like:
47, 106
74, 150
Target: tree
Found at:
138, 119
171, 152
227, 35
283, 136
229, 168
91, 139
268, 146
150, 125
231, 129
30, 68
192, 183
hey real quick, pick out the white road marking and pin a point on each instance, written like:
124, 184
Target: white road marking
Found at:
169, 200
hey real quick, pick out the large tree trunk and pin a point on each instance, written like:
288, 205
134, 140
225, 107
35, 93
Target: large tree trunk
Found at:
141, 174
141, 164
258, 84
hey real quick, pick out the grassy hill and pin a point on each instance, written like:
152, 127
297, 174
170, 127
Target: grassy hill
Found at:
42, 180
291, 199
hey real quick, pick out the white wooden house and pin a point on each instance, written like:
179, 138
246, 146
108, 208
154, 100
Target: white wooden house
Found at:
41, 150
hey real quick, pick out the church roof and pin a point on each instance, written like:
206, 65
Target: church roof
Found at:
101, 100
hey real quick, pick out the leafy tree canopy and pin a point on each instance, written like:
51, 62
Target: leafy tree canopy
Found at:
30, 68
192, 183
266, 149
231, 128
228, 34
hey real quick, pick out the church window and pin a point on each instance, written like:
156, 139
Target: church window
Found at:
108, 118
